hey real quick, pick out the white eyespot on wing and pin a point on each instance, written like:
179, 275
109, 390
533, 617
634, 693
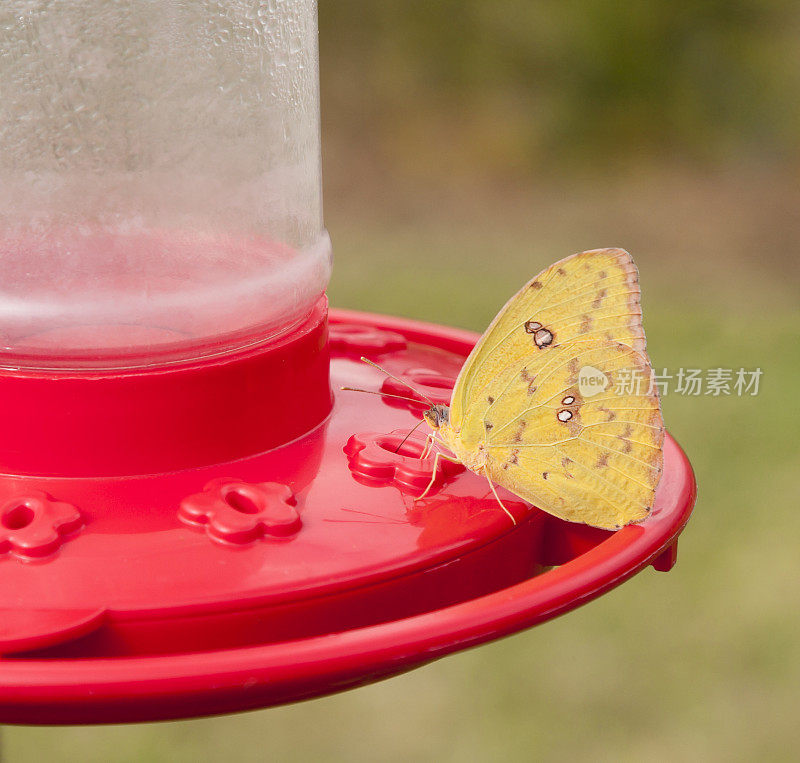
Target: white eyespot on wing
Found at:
564, 415
543, 338
568, 400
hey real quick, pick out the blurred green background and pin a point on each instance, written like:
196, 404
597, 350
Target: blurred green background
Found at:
468, 145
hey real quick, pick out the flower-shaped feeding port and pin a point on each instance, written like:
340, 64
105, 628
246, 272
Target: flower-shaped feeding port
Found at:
421, 381
34, 525
378, 460
352, 338
238, 512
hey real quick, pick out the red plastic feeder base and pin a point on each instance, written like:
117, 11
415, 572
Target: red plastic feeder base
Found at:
304, 570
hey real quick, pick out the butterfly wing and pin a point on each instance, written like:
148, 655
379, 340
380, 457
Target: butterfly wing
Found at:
593, 294
591, 455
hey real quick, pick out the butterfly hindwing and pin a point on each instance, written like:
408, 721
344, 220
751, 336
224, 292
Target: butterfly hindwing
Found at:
593, 294
586, 452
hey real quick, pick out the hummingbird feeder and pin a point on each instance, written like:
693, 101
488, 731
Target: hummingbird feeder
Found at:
194, 519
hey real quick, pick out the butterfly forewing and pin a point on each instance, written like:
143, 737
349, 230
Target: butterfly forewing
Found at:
594, 294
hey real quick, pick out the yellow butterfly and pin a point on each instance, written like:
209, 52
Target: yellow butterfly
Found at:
555, 403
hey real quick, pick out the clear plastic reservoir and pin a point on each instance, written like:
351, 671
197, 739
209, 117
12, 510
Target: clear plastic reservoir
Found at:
160, 189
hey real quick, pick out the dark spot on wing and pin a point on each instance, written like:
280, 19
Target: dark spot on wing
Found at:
626, 447
561, 272
545, 475
598, 300
602, 461
536, 285
610, 415
526, 376
490, 399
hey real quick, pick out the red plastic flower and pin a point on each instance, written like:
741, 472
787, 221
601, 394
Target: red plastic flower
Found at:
374, 459
364, 340
422, 381
33, 524
239, 512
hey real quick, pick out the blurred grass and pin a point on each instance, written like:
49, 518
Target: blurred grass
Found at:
468, 145
440, 89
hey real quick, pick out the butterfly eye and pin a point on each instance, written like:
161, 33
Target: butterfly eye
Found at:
564, 415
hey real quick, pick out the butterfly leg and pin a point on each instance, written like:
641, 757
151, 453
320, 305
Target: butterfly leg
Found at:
497, 497
426, 451
436, 458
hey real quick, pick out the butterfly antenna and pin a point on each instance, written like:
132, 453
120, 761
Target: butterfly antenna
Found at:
403, 441
397, 379
382, 394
